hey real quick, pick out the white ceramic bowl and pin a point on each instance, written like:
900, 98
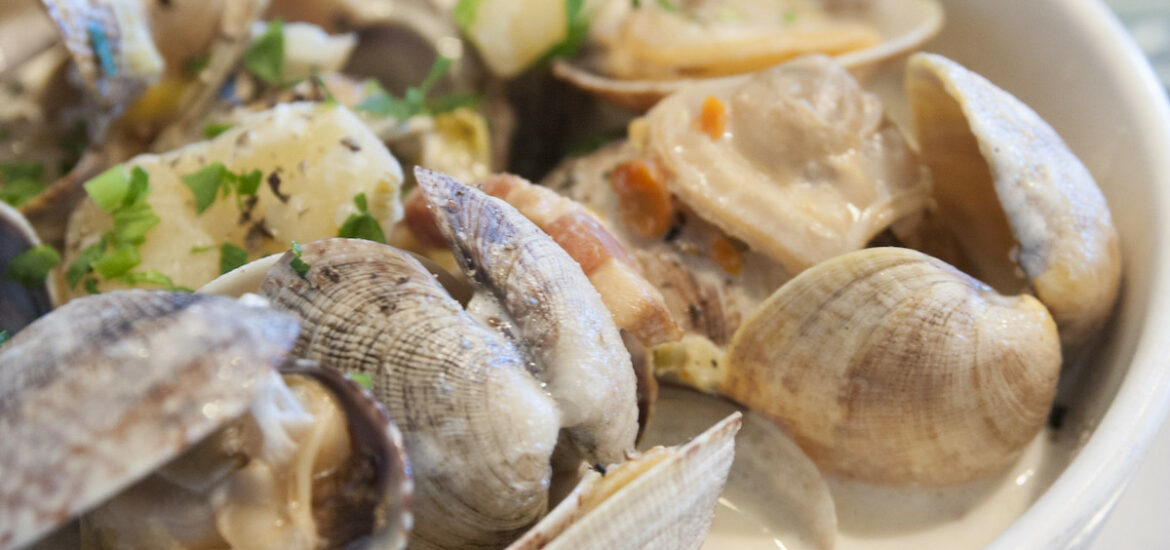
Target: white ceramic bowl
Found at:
1075, 65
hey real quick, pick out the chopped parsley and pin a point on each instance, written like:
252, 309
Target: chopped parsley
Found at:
215, 179
576, 29
30, 267
265, 57
790, 16
319, 85
4, 337
231, 257
362, 379
195, 65
22, 181
362, 225
101, 48
213, 129
465, 12
200, 249
414, 102
297, 264
121, 193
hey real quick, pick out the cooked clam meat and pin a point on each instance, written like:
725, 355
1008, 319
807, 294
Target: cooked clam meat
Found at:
799, 162
132, 380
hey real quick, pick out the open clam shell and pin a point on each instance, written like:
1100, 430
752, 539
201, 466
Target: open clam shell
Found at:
153, 382
661, 498
1013, 194
798, 162
902, 25
106, 389
772, 485
892, 367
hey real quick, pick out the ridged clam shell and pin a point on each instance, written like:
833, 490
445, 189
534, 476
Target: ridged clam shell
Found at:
560, 317
478, 427
662, 498
107, 388
1013, 193
892, 367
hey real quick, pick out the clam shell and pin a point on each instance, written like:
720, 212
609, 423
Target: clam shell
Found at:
19, 305
807, 165
772, 483
662, 498
373, 511
560, 318
478, 427
892, 367
1013, 193
107, 388
903, 26
111, 44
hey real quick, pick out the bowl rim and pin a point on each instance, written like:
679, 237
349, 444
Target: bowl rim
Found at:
1085, 492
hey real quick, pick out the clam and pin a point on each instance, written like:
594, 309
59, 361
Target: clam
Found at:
479, 428
772, 484
931, 376
637, 56
170, 403
556, 311
798, 162
110, 43
19, 304
1013, 194
663, 497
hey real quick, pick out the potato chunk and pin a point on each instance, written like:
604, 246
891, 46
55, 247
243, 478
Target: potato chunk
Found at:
314, 159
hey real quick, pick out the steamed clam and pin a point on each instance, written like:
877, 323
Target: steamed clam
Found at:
1013, 194
638, 55
108, 389
932, 378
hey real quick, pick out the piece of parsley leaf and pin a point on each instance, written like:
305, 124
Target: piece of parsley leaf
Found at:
30, 267
265, 57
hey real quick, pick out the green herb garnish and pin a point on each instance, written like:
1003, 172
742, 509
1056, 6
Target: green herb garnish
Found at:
790, 16
200, 249
297, 264
214, 179
213, 129
576, 28
4, 337
205, 184
101, 48
22, 181
362, 225
668, 6
153, 277
362, 379
195, 65
122, 194
464, 13
414, 102
265, 57
30, 267
231, 257
318, 82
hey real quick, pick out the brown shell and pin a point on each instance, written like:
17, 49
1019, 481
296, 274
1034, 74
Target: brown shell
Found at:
107, 388
893, 367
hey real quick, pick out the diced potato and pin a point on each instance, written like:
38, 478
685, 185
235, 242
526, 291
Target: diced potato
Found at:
321, 155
